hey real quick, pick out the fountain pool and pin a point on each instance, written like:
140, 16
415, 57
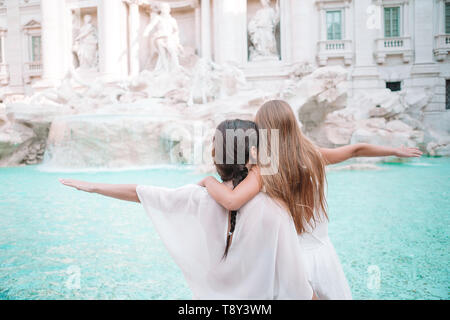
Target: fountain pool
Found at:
58, 243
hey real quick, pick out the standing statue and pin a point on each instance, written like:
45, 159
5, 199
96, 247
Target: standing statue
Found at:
86, 45
165, 39
205, 81
261, 32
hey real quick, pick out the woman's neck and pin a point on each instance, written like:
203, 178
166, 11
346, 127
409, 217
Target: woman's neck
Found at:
229, 184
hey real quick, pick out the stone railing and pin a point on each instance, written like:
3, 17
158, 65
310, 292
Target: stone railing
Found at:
335, 49
441, 46
4, 73
32, 69
393, 46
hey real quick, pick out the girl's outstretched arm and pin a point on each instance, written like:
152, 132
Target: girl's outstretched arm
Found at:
234, 199
337, 155
125, 192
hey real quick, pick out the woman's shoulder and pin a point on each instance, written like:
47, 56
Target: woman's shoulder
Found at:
264, 207
192, 191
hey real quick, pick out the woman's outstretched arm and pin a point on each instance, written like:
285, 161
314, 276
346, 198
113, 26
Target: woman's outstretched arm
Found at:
125, 192
337, 155
234, 199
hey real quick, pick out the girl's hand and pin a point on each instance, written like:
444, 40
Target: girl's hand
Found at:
404, 152
77, 184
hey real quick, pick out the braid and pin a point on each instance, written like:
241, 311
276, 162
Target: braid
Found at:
240, 172
234, 170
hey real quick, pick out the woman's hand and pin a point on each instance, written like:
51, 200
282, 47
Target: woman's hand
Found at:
77, 184
125, 192
404, 152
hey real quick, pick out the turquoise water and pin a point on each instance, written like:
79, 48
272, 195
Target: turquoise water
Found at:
59, 243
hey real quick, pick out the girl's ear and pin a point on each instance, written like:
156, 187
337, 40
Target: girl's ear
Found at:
253, 154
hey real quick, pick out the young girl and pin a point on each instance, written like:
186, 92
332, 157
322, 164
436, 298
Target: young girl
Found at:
299, 186
266, 260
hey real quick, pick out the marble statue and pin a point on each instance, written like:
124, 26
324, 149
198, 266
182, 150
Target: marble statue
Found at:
261, 32
164, 38
204, 81
64, 94
86, 45
211, 81
233, 80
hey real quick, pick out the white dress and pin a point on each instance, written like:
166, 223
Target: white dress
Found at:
264, 259
323, 267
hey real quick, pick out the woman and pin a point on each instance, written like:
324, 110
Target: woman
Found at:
299, 186
223, 255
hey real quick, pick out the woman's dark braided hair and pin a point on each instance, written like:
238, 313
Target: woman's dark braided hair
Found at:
229, 164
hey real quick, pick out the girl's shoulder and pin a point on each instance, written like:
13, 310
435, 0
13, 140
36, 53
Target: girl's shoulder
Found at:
255, 170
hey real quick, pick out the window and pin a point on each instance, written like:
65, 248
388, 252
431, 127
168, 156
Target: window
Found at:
394, 86
35, 48
334, 25
392, 22
447, 94
447, 17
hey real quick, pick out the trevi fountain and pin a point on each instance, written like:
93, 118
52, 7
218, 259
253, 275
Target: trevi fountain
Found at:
165, 112
130, 91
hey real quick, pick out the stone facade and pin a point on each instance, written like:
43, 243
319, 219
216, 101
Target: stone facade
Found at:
396, 43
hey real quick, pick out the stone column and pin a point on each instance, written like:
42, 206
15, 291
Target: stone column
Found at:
14, 48
425, 72
406, 19
305, 30
348, 21
112, 29
198, 30
441, 17
206, 29
367, 27
230, 25
133, 29
423, 31
365, 35
285, 31
53, 42
323, 24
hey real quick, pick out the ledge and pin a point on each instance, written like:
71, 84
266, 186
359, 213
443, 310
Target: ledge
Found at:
393, 46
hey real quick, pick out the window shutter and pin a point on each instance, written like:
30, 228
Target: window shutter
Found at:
334, 25
396, 22
392, 22
387, 22
36, 48
338, 33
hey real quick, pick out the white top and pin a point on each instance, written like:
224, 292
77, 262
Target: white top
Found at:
264, 259
323, 267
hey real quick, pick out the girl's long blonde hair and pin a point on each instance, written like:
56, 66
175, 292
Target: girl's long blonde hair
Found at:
300, 180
